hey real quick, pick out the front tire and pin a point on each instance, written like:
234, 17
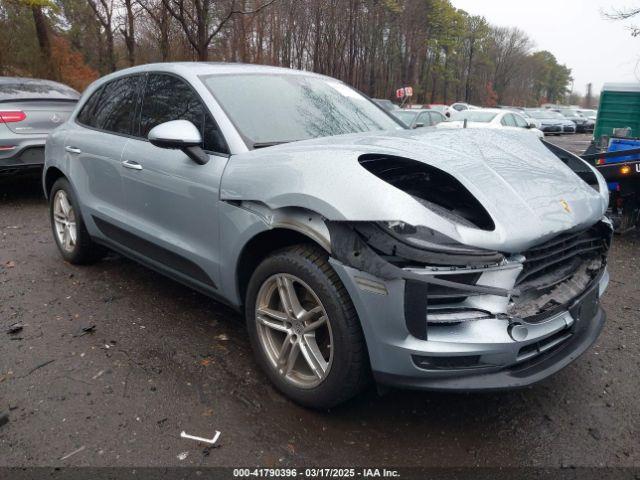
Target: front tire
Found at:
304, 329
71, 236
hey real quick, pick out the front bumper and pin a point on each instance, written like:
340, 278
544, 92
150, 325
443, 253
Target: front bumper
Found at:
472, 355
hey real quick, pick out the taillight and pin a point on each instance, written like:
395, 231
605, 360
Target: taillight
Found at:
12, 117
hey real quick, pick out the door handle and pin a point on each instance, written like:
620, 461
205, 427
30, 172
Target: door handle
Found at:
132, 165
73, 150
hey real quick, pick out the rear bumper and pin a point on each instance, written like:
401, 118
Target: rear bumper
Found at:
21, 154
474, 355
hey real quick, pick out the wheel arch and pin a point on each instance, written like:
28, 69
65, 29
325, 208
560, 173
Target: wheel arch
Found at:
261, 245
51, 175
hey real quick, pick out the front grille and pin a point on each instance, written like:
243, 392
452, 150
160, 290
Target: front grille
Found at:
561, 252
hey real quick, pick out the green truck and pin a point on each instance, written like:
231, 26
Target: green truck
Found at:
615, 151
619, 109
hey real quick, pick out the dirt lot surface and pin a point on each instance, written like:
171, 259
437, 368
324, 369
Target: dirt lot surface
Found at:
163, 359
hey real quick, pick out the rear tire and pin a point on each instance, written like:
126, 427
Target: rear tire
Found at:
338, 367
69, 232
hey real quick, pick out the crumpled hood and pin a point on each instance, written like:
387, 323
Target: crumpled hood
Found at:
529, 193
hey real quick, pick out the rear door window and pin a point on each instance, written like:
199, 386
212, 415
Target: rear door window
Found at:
112, 107
520, 122
424, 119
85, 116
168, 98
508, 121
437, 118
116, 108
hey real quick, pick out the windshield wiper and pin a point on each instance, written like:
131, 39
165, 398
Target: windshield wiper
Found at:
267, 144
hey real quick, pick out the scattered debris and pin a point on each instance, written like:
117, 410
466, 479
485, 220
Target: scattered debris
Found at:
40, 366
15, 328
10, 264
98, 375
212, 441
183, 455
223, 336
85, 330
4, 418
73, 453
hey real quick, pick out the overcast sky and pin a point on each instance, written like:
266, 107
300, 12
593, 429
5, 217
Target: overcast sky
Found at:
596, 49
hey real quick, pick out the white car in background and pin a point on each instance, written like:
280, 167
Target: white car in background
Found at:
491, 118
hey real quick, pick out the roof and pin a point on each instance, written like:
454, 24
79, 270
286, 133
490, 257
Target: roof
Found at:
193, 70
211, 68
621, 87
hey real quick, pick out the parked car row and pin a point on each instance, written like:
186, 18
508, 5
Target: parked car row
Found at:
468, 118
551, 121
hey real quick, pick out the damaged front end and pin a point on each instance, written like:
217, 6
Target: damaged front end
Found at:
471, 312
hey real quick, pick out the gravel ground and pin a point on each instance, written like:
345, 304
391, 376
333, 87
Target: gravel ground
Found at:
163, 359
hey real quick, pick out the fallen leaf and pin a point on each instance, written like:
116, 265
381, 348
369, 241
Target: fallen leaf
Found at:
10, 264
205, 362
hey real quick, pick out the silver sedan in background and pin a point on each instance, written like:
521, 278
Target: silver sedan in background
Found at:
29, 109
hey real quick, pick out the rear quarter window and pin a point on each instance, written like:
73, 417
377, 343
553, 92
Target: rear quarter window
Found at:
85, 116
112, 107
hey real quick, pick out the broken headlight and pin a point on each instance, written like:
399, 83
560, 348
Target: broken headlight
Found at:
405, 244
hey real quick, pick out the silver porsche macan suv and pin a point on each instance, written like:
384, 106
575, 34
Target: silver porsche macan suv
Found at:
29, 109
442, 260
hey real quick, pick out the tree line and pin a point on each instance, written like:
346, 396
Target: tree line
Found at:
377, 46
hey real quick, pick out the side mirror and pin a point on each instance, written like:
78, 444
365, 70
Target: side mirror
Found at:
179, 135
418, 125
532, 125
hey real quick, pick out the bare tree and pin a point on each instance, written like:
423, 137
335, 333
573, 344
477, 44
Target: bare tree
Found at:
128, 31
103, 10
202, 20
159, 14
44, 41
625, 14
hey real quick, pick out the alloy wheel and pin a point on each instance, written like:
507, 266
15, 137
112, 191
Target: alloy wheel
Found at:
64, 219
294, 330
